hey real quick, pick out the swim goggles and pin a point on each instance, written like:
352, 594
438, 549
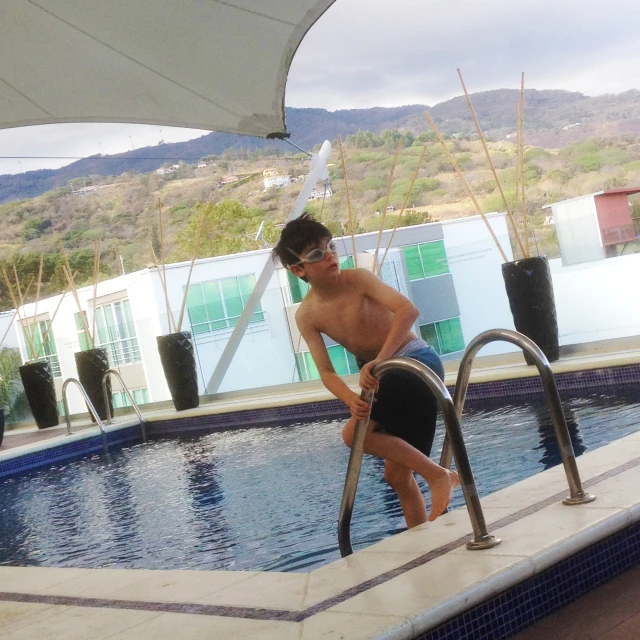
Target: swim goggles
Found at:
317, 254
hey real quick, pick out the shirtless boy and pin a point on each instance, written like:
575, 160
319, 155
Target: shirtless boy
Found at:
374, 322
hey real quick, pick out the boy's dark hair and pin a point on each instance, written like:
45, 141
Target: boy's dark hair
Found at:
296, 236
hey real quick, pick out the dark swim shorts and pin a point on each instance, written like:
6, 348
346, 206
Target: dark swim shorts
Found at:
405, 406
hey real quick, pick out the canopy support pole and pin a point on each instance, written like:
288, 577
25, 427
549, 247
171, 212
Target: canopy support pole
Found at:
318, 171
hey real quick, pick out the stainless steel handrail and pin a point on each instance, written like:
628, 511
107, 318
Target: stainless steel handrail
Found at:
107, 373
481, 538
577, 494
92, 409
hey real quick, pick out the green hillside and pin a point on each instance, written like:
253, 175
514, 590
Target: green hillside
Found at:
123, 210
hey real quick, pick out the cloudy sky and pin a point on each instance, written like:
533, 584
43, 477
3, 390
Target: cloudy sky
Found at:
366, 53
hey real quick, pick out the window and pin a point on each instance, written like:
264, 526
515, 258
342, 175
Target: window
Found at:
343, 362
217, 304
115, 332
120, 398
44, 344
299, 288
426, 260
444, 336
82, 335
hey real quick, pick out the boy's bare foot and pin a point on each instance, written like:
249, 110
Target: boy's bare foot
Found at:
441, 492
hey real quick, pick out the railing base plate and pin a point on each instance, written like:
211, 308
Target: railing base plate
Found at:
486, 542
583, 499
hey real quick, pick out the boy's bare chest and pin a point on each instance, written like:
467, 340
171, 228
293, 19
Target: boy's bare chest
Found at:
346, 315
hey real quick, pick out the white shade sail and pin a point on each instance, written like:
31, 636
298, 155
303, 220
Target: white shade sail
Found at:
204, 64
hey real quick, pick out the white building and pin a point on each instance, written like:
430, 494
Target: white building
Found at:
276, 181
321, 192
450, 270
130, 311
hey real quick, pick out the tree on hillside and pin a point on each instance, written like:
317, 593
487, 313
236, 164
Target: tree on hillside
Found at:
227, 227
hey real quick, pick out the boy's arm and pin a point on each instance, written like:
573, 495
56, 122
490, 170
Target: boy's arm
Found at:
404, 312
334, 383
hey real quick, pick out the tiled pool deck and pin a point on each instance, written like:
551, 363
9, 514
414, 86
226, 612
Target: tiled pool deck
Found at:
422, 583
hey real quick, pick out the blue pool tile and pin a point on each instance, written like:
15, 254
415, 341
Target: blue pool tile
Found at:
521, 606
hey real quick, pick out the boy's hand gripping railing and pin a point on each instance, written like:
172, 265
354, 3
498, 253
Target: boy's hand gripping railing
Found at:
92, 409
107, 373
481, 538
577, 494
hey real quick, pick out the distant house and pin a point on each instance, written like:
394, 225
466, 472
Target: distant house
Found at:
163, 171
229, 179
276, 181
83, 191
321, 192
594, 226
267, 173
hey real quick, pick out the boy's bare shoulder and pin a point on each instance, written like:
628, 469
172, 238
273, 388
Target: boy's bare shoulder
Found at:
360, 277
304, 313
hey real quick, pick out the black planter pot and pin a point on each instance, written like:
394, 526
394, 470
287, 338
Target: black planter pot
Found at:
530, 292
179, 364
1, 425
37, 380
92, 366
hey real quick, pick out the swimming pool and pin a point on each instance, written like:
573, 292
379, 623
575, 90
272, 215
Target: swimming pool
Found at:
264, 498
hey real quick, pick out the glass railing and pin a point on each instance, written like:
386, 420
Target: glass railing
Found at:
121, 344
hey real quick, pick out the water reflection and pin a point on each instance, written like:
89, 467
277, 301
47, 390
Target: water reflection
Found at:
205, 494
548, 441
124, 520
14, 527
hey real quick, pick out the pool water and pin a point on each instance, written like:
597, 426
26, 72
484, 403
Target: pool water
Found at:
263, 498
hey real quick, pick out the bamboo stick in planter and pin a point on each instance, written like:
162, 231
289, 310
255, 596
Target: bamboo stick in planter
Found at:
386, 204
466, 186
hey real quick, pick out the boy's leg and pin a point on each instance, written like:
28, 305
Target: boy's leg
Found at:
402, 481
441, 481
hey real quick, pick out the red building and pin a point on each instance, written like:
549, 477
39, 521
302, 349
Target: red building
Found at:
595, 226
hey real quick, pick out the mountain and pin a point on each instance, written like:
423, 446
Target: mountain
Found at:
552, 120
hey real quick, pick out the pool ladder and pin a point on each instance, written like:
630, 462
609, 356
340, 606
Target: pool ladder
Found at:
453, 445
92, 409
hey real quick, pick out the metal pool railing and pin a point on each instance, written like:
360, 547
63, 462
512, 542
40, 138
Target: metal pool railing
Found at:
92, 409
576, 493
481, 538
115, 373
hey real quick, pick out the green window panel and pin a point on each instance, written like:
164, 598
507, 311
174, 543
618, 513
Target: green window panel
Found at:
82, 336
213, 306
232, 299
298, 287
338, 358
312, 370
247, 285
450, 334
413, 262
434, 258
429, 334
302, 371
444, 336
218, 304
343, 362
346, 262
426, 260
197, 310
351, 361
120, 398
110, 323
141, 396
